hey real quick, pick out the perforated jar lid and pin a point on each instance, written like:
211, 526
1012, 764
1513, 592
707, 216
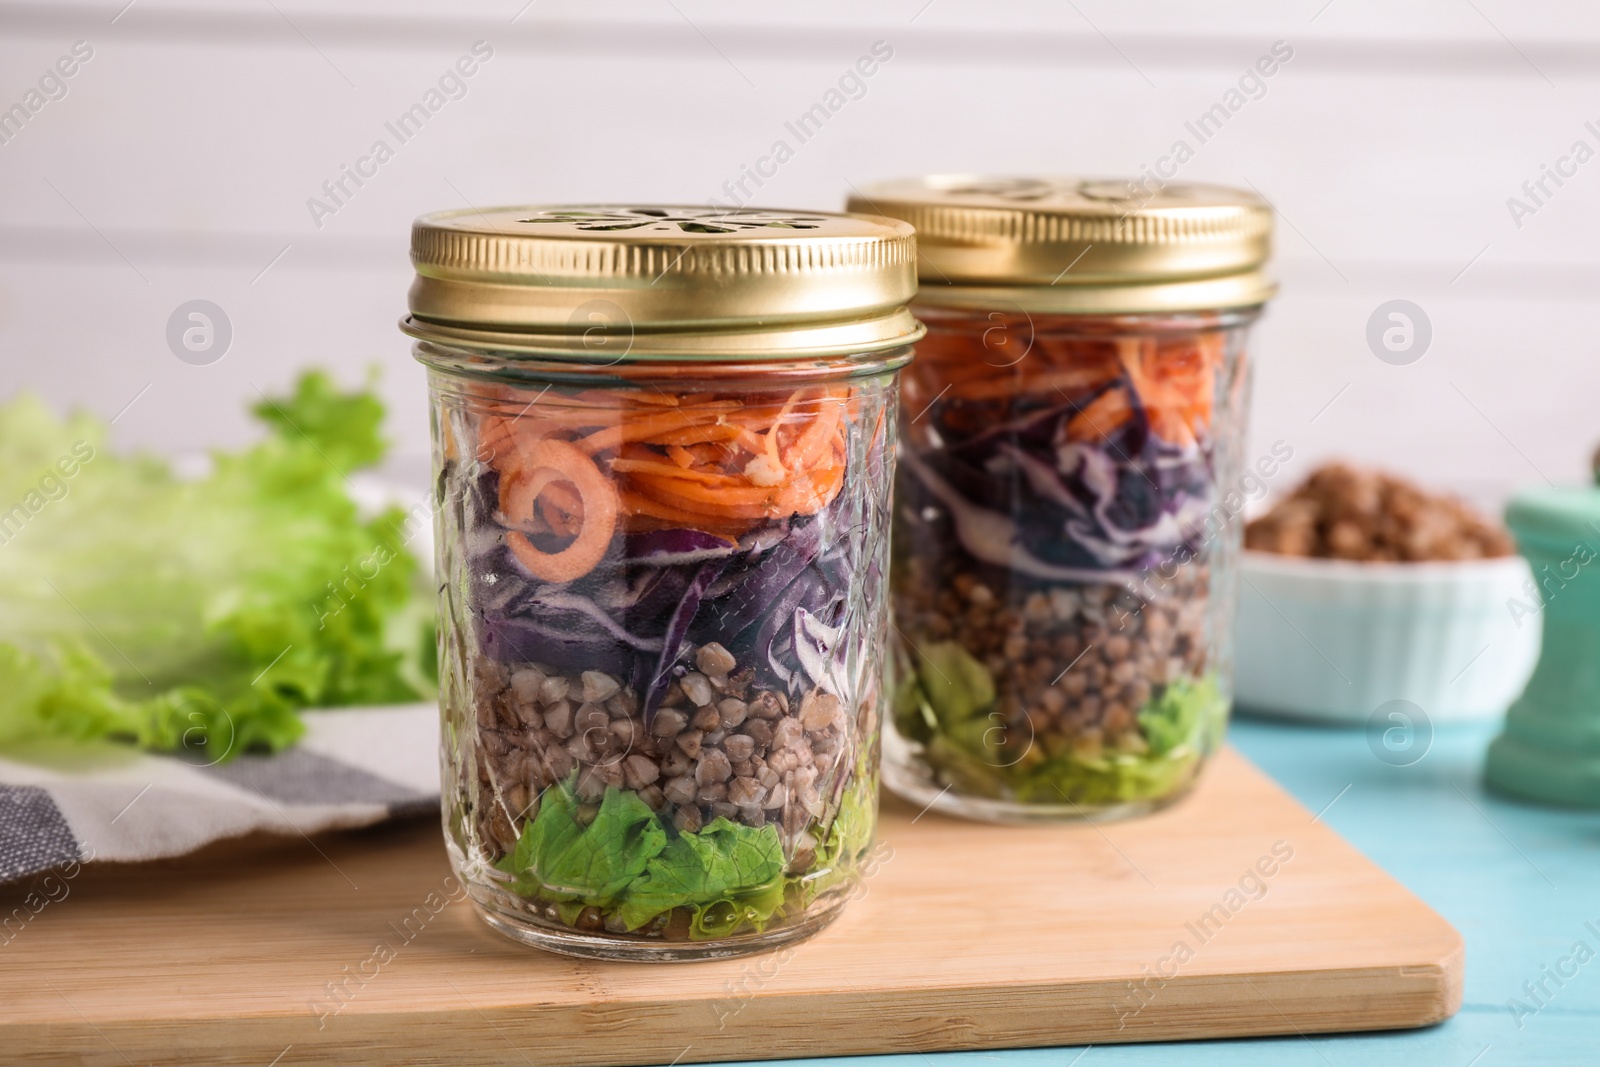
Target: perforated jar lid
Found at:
588, 282
1076, 245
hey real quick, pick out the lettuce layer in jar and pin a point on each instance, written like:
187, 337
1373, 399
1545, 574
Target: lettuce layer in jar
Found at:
661, 649
1059, 534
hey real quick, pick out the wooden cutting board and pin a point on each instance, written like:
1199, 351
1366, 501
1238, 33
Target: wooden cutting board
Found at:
1233, 913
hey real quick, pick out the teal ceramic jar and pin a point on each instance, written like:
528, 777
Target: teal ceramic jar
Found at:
1550, 750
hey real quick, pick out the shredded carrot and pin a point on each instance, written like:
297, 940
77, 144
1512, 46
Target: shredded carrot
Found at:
1169, 398
495, 436
544, 464
447, 436
751, 441
800, 496
759, 416
609, 400
771, 449
638, 505
1069, 381
643, 467
699, 460
876, 441
697, 435
1172, 377
638, 430
813, 494
1097, 419
728, 497
717, 454
809, 444
563, 496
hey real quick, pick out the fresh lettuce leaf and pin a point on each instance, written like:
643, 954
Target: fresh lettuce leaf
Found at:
724, 863
913, 715
722, 918
1179, 715
627, 860
68, 696
188, 613
1107, 779
593, 864
1180, 725
956, 684
630, 864
343, 427
844, 847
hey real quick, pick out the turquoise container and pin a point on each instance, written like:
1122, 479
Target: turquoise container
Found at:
1550, 750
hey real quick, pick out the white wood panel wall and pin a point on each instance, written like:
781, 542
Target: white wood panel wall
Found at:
179, 162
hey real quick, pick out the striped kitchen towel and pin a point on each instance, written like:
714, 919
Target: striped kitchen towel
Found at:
354, 767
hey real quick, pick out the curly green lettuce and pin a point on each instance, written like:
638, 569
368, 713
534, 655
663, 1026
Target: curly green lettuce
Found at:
630, 863
571, 862
947, 703
625, 860
729, 874
201, 613
842, 854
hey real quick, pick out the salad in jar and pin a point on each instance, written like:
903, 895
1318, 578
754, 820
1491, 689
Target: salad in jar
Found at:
1067, 506
666, 625
663, 443
1055, 539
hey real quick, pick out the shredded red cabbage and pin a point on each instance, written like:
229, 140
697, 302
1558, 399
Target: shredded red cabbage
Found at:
1024, 497
777, 598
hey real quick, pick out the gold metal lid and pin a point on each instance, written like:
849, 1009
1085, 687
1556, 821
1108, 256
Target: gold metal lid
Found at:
1081, 246
605, 282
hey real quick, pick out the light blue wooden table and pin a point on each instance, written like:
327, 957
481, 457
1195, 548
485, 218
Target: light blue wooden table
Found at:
1518, 882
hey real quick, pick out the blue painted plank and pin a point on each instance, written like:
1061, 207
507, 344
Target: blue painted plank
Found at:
1521, 883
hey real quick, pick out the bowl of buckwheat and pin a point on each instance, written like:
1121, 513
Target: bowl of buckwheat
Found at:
1360, 588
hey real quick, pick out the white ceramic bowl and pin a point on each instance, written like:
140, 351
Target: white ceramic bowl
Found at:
1333, 640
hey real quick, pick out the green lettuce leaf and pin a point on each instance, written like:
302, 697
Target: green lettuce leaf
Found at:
343, 427
181, 613
593, 864
1182, 714
844, 847
956, 685
627, 862
1108, 779
1180, 726
722, 918
724, 862
913, 715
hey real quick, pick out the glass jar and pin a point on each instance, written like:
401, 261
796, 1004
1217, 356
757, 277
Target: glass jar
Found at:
1067, 507
664, 447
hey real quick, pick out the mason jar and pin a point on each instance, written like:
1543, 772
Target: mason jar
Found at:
1067, 515
664, 447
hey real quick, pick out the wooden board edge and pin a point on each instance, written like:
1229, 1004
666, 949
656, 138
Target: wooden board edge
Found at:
840, 1023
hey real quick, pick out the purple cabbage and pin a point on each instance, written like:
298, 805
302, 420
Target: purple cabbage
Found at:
1021, 496
777, 600
677, 633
